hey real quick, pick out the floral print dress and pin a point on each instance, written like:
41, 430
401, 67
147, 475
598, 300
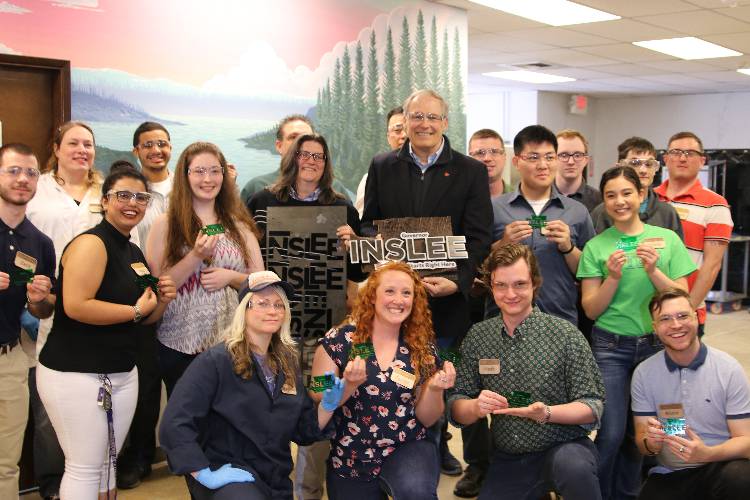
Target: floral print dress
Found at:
377, 418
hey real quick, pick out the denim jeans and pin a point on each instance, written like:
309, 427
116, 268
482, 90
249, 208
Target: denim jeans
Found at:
619, 459
568, 469
410, 473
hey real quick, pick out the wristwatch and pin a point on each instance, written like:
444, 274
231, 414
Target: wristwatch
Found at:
138, 316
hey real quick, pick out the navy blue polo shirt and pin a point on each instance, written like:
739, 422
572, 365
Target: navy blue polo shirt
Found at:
31, 241
558, 293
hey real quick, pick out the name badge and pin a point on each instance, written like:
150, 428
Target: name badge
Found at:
682, 212
403, 378
139, 268
25, 261
489, 367
656, 243
95, 208
288, 389
672, 419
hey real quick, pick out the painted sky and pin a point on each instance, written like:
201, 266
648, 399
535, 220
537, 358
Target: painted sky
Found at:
161, 39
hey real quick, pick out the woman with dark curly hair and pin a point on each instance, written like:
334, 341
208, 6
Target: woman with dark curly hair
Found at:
393, 391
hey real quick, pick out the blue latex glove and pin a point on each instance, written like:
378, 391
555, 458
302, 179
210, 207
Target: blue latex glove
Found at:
30, 324
221, 477
332, 396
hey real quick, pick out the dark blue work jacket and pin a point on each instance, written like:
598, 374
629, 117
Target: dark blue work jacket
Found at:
215, 417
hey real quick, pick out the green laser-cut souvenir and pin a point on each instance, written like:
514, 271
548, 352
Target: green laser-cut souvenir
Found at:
321, 383
519, 399
364, 350
213, 229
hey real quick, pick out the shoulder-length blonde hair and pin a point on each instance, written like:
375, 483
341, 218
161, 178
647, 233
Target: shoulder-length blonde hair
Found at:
416, 330
282, 351
184, 225
290, 169
94, 175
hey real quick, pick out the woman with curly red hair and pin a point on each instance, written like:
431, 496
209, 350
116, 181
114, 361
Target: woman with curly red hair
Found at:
393, 391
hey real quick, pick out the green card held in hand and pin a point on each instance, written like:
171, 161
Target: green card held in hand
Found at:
213, 229
519, 399
363, 351
321, 383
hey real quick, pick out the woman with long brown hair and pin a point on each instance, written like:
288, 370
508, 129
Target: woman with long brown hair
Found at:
208, 264
393, 391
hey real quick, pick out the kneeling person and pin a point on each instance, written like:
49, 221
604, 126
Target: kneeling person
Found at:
697, 418
521, 356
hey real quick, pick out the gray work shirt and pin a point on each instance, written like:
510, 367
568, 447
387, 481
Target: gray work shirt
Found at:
712, 389
559, 291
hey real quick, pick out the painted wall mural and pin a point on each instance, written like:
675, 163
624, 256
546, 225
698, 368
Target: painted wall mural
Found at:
226, 71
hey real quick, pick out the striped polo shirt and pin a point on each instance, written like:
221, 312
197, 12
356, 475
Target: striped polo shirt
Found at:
705, 217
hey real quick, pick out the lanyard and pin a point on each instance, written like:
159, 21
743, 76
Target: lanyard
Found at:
104, 399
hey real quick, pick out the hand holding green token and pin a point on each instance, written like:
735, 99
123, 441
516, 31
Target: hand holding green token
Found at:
213, 229
519, 399
450, 355
364, 350
321, 383
20, 276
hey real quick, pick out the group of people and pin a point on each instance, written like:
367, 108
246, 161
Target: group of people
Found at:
577, 310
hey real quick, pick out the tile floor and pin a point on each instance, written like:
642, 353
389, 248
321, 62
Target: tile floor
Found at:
728, 332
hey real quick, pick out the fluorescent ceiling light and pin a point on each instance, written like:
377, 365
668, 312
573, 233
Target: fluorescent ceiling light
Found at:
529, 76
552, 12
688, 48
744, 71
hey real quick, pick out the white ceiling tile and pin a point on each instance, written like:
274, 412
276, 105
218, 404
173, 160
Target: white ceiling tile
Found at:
630, 69
712, 4
579, 73
495, 21
697, 22
740, 12
567, 57
500, 42
725, 76
681, 80
625, 52
679, 66
728, 62
735, 41
559, 37
626, 30
633, 8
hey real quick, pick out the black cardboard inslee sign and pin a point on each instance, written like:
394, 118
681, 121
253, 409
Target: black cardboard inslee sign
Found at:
303, 249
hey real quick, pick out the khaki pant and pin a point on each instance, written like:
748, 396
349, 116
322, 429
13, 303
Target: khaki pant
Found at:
14, 412
310, 472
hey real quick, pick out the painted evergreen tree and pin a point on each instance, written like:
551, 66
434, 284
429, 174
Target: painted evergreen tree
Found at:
357, 139
434, 76
405, 66
456, 102
390, 97
443, 87
373, 138
336, 133
420, 55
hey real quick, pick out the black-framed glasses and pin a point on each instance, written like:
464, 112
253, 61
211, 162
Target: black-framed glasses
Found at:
639, 162
578, 156
536, 157
481, 153
161, 144
430, 117
140, 198
679, 153
30, 172
306, 155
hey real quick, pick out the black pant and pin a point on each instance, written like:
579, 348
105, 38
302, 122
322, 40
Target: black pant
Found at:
478, 445
232, 491
140, 449
172, 364
716, 481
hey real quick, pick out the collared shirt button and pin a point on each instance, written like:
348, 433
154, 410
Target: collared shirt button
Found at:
10, 231
511, 370
12, 247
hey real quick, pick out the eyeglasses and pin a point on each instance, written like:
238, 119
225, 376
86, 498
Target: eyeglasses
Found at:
578, 157
30, 172
265, 305
306, 155
536, 157
481, 153
517, 286
681, 317
150, 144
203, 171
142, 199
690, 153
638, 162
430, 117
396, 129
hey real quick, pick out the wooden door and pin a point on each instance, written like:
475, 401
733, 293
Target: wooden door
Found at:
34, 100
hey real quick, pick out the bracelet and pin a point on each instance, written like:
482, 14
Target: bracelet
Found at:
645, 445
137, 316
547, 416
566, 252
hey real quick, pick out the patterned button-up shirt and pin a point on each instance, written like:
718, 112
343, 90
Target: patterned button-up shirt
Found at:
547, 357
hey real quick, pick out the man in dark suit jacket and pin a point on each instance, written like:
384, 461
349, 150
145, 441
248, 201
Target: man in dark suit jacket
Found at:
426, 178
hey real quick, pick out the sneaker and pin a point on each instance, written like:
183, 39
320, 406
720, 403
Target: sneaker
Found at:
470, 484
130, 477
449, 465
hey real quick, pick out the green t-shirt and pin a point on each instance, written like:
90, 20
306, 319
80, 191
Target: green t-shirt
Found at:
628, 313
